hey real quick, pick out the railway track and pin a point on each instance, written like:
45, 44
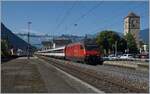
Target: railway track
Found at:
102, 81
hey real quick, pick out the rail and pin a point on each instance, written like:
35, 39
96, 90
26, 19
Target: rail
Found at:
129, 59
102, 81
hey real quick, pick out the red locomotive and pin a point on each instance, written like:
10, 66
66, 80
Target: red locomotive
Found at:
83, 52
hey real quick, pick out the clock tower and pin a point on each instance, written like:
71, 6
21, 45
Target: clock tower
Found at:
132, 25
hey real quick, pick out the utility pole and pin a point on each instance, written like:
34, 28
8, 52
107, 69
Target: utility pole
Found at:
28, 51
115, 48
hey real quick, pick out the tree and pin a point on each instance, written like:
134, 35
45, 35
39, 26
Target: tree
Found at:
4, 48
106, 40
131, 43
122, 45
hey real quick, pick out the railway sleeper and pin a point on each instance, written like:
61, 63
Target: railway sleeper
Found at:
94, 80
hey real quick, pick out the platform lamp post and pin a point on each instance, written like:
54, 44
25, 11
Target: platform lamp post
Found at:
115, 48
28, 50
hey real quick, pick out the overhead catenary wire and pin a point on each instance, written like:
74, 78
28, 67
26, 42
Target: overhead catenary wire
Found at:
65, 16
104, 21
88, 12
110, 19
85, 14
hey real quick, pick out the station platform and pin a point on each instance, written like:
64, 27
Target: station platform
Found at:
36, 76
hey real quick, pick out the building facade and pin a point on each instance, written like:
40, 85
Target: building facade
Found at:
59, 42
132, 25
47, 44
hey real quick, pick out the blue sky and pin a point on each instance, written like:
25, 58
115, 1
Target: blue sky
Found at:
68, 17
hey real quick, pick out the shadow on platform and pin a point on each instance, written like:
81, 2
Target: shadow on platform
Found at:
8, 58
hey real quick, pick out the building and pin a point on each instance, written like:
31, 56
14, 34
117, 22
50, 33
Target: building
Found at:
47, 44
132, 25
58, 42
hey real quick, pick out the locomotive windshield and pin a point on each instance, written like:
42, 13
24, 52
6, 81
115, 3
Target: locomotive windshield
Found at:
91, 47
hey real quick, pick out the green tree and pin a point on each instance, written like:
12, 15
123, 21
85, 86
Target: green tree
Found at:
106, 40
122, 45
4, 48
131, 43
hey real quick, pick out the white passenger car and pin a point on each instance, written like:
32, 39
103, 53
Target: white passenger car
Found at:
126, 56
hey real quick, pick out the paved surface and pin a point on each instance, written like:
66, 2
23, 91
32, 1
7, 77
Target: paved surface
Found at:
130, 64
35, 75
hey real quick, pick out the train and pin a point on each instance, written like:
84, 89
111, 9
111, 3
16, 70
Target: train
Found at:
79, 52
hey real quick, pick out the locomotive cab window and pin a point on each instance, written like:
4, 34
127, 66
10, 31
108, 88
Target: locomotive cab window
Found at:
92, 47
81, 47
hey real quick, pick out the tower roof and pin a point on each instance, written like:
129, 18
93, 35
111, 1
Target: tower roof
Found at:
131, 14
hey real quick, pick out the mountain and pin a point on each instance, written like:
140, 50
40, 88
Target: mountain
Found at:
35, 41
13, 40
144, 35
73, 38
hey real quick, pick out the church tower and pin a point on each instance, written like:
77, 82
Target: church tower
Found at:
132, 25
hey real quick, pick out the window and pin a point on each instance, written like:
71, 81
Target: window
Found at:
81, 47
124, 55
129, 55
91, 47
